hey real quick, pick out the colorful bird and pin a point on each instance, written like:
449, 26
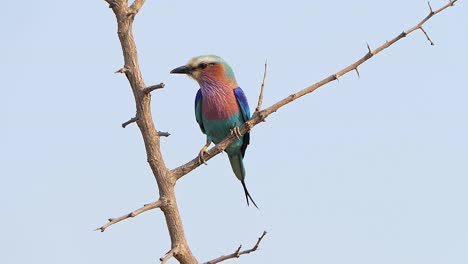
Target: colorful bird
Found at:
220, 108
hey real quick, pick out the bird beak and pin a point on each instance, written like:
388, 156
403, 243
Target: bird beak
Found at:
182, 69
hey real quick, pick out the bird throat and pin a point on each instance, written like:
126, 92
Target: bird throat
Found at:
218, 100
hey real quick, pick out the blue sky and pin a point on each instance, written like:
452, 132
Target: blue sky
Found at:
365, 170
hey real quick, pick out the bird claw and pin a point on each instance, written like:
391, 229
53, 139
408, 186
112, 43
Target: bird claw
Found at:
236, 131
200, 156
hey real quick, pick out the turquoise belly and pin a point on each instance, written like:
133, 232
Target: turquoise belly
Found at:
217, 130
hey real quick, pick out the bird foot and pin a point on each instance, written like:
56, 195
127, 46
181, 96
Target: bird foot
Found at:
236, 131
200, 156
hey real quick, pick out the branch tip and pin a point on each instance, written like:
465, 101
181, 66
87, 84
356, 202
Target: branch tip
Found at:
238, 252
260, 97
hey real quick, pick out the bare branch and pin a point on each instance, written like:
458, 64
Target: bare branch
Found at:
260, 116
165, 181
132, 120
260, 97
169, 254
151, 88
145, 208
237, 253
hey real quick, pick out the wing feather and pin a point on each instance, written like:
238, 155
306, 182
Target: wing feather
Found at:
245, 110
198, 110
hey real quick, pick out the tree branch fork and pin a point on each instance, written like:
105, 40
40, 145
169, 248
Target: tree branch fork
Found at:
166, 202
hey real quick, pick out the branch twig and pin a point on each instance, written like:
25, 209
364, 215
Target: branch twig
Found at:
260, 116
145, 208
121, 70
260, 97
237, 253
169, 255
132, 120
427, 36
151, 88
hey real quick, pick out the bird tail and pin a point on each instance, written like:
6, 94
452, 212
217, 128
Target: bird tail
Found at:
237, 165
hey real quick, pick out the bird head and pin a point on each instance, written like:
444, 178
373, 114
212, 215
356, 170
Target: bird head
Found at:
208, 68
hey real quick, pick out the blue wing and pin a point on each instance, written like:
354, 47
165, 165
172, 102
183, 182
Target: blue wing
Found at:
198, 111
243, 104
245, 110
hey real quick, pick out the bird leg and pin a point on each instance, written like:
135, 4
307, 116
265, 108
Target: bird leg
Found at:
203, 150
236, 132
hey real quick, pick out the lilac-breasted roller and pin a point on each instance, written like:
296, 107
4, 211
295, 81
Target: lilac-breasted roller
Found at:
220, 108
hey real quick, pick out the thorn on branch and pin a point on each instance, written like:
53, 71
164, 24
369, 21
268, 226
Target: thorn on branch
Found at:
238, 251
427, 36
151, 88
132, 120
336, 77
430, 7
163, 134
260, 97
122, 70
357, 71
369, 50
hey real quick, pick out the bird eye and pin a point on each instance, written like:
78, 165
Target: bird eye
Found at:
202, 65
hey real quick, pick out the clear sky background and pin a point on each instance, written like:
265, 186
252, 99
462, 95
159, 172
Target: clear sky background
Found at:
365, 170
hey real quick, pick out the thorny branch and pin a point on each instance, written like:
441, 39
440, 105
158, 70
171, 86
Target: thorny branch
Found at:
151, 137
260, 116
238, 252
166, 178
